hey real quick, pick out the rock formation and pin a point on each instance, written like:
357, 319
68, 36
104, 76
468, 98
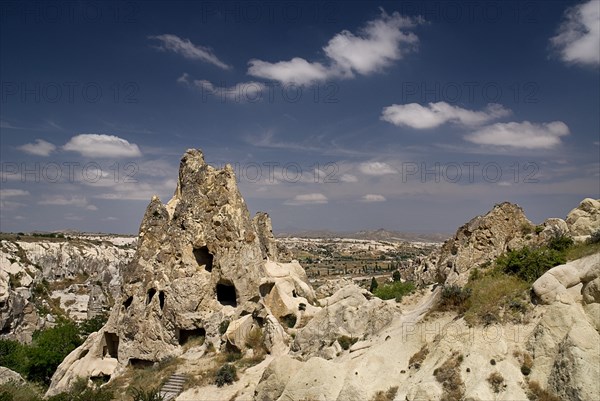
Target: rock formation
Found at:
89, 269
201, 261
476, 243
584, 220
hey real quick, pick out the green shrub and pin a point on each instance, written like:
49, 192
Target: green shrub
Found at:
396, 276
92, 325
12, 356
560, 243
530, 263
395, 290
140, 394
346, 342
13, 391
226, 374
454, 298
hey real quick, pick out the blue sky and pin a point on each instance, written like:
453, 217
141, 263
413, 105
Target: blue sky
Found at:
407, 115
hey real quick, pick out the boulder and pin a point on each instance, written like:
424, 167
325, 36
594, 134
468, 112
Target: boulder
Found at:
553, 284
584, 220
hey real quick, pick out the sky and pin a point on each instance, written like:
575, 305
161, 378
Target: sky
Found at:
405, 115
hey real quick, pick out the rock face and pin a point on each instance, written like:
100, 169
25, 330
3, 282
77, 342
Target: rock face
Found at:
584, 220
480, 241
90, 269
201, 261
566, 341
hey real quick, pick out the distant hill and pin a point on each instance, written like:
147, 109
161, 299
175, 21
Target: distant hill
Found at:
377, 235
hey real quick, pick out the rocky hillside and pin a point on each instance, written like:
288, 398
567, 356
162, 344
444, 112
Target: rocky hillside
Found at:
42, 278
504, 228
206, 303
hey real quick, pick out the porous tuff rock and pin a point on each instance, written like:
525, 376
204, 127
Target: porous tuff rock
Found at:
584, 220
582, 273
476, 243
200, 261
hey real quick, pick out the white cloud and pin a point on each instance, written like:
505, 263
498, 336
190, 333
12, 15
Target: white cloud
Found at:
9, 193
376, 168
60, 200
242, 92
348, 178
578, 38
187, 49
373, 198
307, 199
98, 145
435, 114
520, 135
39, 148
297, 70
376, 46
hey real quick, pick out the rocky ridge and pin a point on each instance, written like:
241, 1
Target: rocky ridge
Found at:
202, 262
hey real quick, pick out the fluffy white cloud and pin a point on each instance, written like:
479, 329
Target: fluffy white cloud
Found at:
99, 145
187, 49
376, 168
297, 70
373, 198
435, 114
377, 45
307, 199
525, 135
578, 38
60, 200
242, 92
38, 148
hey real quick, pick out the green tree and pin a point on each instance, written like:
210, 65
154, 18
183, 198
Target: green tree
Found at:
396, 275
48, 349
374, 285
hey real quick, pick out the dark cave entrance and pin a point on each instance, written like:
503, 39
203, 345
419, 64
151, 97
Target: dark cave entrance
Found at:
204, 258
183, 336
226, 293
112, 345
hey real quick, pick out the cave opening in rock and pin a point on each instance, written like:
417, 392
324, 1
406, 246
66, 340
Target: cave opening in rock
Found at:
151, 293
204, 258
183, 336
140, 363
161, 299
127, 302
226, 294
112, 345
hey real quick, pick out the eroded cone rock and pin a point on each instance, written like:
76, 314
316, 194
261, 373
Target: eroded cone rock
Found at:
200, 260
476, 243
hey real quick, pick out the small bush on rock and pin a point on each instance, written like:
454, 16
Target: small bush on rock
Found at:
227, 374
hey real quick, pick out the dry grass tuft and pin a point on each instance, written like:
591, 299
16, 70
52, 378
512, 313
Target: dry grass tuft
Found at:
387, 395
449, 376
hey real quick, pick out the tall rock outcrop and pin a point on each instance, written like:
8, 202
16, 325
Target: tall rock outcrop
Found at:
476, 243
201, 261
